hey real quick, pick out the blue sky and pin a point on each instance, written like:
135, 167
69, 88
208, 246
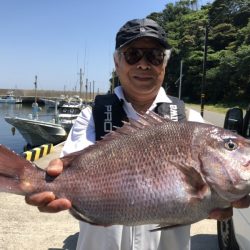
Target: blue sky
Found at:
53, 39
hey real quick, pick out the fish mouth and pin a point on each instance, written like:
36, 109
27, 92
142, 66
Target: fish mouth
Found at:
247, 165
245, 173
242, 186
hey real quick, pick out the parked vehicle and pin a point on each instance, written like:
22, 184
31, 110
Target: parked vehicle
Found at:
233, 234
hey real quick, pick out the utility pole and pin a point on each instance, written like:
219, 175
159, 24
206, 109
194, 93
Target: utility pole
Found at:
64, 89
180, 82
93, 90
86, 88
81, 82
113, 82
90, 89
204, 71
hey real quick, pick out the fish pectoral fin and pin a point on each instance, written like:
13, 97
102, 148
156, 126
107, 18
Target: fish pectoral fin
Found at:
79, 216
197, 187
167, 227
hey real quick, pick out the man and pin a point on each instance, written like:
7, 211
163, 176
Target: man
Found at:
140, 58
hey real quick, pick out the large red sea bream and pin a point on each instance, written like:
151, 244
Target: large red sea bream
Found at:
151, 171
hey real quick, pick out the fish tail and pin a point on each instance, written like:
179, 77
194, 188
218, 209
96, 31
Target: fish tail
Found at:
17, 175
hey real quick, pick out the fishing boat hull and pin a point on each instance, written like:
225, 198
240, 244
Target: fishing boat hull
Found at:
37, 132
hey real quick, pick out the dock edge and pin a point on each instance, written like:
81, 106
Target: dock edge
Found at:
38, 152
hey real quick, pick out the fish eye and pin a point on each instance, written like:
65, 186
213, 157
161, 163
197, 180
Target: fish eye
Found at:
230, 145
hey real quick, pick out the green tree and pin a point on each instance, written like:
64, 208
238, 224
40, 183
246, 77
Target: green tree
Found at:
228, 55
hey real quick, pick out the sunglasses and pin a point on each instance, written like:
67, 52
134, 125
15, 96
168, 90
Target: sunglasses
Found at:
153, 56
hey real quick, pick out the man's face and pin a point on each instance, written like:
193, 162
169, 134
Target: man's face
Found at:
141, 79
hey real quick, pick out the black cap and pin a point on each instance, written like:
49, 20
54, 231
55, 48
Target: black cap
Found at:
138, 28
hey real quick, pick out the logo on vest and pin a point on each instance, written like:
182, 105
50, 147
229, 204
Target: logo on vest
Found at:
108, 119
173, 113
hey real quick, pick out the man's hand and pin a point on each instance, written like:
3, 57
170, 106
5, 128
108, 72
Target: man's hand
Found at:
223, 214
46, 201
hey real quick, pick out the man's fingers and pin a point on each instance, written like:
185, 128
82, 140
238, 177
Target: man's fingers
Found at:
243, 203
221, 214
40, 199
56, 206
47, 202
55, 167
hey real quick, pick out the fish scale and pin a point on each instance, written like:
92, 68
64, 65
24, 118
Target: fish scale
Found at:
150, 171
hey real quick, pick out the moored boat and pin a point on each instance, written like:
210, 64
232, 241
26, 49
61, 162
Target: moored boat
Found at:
10, 98
67, 115
51, 103
37, 132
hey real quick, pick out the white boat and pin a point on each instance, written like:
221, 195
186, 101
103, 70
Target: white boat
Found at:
75, 101
48, 102
67, 114
10, 98
51, 103
69, 111
37, 132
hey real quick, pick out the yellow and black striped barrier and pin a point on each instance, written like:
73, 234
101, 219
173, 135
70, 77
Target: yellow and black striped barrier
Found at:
38, 152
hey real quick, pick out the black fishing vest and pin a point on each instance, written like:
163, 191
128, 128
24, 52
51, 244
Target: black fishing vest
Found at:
108, 112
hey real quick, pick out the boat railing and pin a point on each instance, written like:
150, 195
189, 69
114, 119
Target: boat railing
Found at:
41, 117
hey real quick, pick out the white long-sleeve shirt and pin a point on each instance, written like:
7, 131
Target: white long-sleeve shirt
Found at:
123, 237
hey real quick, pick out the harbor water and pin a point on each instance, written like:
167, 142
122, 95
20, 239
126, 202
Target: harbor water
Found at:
9, 136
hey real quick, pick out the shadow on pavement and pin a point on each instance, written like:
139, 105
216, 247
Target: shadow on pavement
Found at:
69, 243
204, 242
198, 242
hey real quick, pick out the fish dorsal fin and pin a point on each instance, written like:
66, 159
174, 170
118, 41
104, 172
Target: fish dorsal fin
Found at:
132, 126
128, 128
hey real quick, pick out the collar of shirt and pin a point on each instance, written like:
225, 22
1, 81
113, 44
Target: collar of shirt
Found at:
131, 113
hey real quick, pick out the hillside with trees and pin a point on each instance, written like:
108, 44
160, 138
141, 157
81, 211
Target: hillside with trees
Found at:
227, 74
